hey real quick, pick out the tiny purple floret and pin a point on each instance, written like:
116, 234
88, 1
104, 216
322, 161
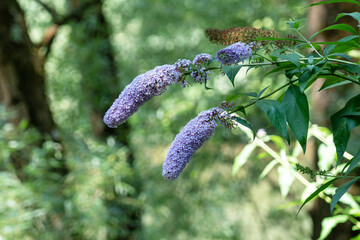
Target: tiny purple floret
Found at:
140, 90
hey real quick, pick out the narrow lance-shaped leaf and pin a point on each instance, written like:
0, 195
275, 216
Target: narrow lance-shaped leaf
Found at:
268, 168
297, 113
262, 91
342, 125
242, 158
340, 192
335, 1
244, 123
344, 27
353, 163
317, 191
355, 15
276, 114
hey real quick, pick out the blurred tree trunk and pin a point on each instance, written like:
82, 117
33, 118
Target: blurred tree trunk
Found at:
101, 88
22, 78
22, 91
319, 17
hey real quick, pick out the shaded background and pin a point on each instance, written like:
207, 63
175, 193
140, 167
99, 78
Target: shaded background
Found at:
64, 175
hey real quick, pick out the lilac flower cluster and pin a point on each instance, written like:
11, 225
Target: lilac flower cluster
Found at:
189, 140
235, 53
201, 58
183, 65
199, 74
140, 90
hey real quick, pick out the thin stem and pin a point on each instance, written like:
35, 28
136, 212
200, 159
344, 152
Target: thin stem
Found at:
308, 42
268, 95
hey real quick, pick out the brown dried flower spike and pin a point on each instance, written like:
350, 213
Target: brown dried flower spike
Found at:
246, 35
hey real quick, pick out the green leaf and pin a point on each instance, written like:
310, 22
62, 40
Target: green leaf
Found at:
311, 59
317, 191
355, 15
276, 114
231, 71
250, 94
206, 87
268, 168
314, 76
244, 123
242, 158
294, 58
343, 55
353, 163
238, 109
303, 80
342, 125
297, 113
340, 192
262, 91
328, 49
344, 27
231, 97
334, 1
329, 223
332, 81
279, 142
281, 66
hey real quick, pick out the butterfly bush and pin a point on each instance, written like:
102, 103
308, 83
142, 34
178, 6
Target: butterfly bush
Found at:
235, 53
140, 90
191, 138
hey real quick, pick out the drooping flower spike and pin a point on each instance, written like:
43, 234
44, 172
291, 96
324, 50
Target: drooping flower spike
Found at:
190, 139
140, 90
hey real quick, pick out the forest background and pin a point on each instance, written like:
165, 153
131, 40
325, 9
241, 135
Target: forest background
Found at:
64, 175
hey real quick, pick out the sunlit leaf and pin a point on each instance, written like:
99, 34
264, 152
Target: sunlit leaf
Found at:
243, 157
268, 168
328, 224
285, 179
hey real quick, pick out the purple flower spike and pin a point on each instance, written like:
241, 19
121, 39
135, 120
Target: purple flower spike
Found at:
235, 53
191, 138
142, 89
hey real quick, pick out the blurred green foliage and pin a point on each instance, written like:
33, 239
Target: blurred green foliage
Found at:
206, 202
